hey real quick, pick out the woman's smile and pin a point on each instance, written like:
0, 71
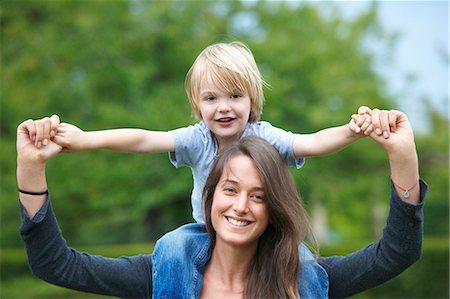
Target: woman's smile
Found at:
239, 213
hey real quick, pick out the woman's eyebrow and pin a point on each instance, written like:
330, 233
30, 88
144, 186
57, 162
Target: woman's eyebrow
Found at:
225, 181
234, 182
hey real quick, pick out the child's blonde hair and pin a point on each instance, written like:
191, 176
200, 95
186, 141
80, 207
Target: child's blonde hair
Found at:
230, 66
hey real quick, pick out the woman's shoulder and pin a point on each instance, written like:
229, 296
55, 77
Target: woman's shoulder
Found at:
189, 237
313, 278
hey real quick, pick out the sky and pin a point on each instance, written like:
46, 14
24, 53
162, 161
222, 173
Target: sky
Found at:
420, 64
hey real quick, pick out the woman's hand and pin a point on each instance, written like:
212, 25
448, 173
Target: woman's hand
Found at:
31, 160
27, 149
393, 132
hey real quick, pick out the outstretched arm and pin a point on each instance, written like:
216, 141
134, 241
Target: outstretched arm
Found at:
401, 151
48, 254
333, 139
401, 242
73, 139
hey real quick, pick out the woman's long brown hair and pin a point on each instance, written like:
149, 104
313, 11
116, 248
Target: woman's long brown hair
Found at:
274, 270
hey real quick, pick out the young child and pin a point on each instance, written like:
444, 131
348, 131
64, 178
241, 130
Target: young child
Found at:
225, 90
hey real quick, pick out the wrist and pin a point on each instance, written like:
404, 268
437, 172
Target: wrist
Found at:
88, 142
402, 154
31, 175
30, 160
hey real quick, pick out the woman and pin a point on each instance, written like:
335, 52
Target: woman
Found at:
250, 236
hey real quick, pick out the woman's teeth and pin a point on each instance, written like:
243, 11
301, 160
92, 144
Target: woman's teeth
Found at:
237, 222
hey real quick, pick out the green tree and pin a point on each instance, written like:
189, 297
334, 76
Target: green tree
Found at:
122, 64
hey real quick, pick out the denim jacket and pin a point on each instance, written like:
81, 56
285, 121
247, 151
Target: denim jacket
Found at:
180, 257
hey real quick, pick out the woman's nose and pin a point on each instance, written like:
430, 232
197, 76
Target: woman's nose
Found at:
240, 205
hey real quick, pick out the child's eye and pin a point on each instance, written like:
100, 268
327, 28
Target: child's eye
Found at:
209, 98
236, 96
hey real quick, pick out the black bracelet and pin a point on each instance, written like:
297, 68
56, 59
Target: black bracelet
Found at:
34, 193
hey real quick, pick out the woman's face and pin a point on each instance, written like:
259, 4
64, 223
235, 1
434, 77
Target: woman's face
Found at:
239, 212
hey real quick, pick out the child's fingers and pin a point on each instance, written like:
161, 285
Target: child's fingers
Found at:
61, 128
353, 127
59, 140
367, 122
361, 119
364, 110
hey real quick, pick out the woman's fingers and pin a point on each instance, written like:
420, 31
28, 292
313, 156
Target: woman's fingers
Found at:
45, 128
55, 121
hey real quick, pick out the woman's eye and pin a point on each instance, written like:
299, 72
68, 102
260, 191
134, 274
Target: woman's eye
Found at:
228, 190
258, 197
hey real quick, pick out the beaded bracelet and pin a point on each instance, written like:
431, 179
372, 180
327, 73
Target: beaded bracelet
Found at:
33, 193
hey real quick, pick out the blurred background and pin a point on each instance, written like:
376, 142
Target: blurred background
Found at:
114, 63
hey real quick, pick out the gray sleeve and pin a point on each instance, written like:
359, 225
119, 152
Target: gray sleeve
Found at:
282, 140
189, 144
50, 259
399, 247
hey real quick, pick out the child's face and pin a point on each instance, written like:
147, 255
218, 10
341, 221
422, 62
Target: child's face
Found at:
225, 113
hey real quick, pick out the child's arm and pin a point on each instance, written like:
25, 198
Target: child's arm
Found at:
73, 139
333, 139
120, 140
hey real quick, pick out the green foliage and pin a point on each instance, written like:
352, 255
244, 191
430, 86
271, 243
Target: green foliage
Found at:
109, 64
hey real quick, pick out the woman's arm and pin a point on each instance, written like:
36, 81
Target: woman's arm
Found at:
399, 247
31, 167
50, 259
401, 242
49, 256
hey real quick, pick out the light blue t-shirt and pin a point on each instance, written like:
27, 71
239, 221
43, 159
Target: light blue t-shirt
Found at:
196, 147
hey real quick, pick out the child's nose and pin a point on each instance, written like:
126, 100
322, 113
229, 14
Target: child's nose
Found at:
223, 106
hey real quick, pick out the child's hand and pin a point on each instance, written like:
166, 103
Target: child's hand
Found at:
43, 130
361, 123
70, 137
